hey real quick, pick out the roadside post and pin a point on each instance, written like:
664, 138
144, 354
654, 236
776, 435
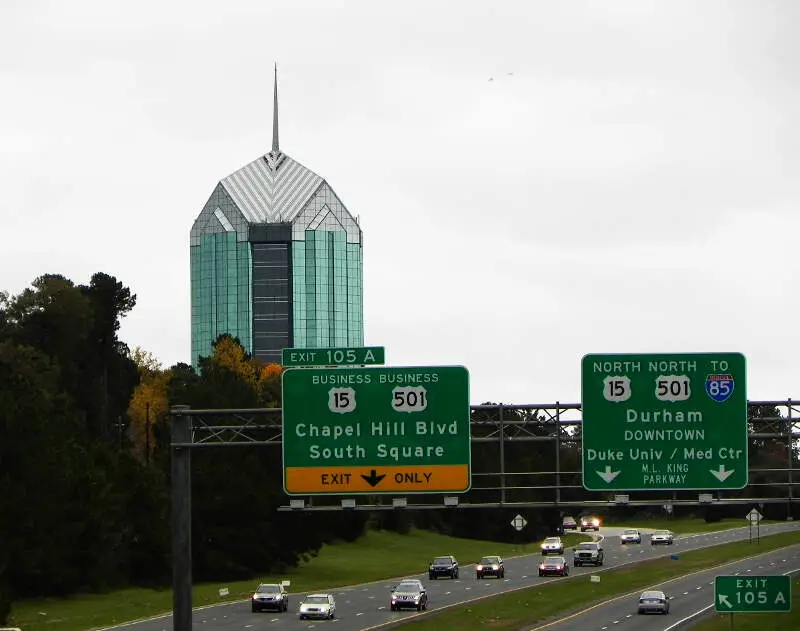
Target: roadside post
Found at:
754, 517
518, 524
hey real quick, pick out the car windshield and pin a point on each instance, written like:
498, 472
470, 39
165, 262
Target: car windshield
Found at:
631, 532
652, 595
489, 561
661, 532
586, 546
408, 587
555, 561
317, 600
552, 540
268, 589
442, 560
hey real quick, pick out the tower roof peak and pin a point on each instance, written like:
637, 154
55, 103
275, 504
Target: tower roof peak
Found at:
275, 145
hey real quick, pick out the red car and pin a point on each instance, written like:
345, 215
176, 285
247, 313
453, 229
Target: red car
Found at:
554, 566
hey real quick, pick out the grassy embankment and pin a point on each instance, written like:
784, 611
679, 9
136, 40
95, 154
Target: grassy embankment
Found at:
375, 556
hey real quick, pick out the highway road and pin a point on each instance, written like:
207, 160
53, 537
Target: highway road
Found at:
363, 607
692, 598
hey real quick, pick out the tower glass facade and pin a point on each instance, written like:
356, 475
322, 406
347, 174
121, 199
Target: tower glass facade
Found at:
327, 291
220, 280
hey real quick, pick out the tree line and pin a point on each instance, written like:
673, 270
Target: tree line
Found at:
84, 458
84, 454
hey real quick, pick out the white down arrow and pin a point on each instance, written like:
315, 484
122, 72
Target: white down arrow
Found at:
608, 475
721, 475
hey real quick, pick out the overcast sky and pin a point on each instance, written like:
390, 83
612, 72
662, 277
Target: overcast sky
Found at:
535, 180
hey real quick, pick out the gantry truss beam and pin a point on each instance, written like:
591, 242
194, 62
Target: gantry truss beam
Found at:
489, 423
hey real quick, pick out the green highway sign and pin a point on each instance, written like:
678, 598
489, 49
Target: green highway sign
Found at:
664, 422
752, 594
376, 430
356, 356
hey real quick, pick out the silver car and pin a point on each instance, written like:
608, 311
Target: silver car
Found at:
654, 601
630, 536
408, 593
318, 606
269, 596
662, 537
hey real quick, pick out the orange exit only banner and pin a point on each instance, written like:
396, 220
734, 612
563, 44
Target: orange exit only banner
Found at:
406, 479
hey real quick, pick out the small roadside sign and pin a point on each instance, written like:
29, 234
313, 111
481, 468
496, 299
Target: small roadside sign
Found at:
519, 522
754, 516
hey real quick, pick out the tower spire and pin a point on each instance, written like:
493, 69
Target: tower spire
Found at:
275, 147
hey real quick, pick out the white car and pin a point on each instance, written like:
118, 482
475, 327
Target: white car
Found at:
318, 606
662, 537
552, 545
630, 536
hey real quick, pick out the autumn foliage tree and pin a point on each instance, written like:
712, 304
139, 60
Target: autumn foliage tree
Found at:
149, 404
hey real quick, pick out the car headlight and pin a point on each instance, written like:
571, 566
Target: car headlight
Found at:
479, 567
495, 567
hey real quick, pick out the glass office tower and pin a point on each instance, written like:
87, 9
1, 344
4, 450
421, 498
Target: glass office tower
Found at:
276, 262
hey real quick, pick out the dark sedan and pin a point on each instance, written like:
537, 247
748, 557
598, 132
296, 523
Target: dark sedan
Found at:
490, 566
443, 566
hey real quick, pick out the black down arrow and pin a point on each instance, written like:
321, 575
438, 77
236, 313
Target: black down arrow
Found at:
373, 478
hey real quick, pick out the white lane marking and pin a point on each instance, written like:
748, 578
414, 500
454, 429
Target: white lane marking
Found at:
699, 587
361, 613
684, 593
629, 615
371, 598
247, 626
689, 617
